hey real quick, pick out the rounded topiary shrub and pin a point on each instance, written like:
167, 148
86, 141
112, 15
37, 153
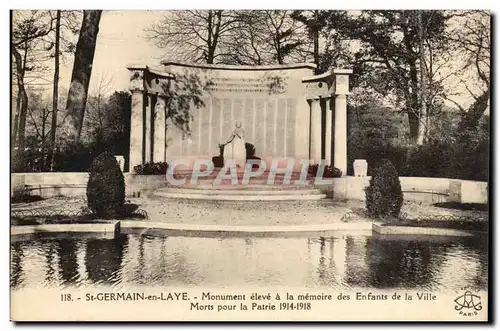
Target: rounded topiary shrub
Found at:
329, 171
106, 186
384, 196
151, 168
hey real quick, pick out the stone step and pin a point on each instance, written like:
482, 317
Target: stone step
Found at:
253, 191
249, 187
239, 197
213, 175
279, 179
228, 183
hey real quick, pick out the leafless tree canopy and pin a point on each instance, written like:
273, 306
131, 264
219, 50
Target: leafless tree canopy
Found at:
193, 35
231, 37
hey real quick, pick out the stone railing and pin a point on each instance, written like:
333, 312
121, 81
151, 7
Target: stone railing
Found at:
424, 189
74, 184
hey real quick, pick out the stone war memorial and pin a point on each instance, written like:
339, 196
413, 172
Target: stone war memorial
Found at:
306, 171
187, 111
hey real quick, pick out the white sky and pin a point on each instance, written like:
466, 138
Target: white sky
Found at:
120, 42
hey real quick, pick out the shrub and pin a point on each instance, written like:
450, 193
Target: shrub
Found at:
218, 161
384, 196
250, 151
328, 172
151, 168
106, 186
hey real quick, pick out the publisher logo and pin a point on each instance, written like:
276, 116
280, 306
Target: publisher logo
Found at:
468, 303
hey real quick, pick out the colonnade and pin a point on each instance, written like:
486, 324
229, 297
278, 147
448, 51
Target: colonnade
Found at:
333, 86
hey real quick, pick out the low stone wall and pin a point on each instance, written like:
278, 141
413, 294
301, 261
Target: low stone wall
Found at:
413, 230
424, 189
428, 190
49, 184
74, 184
112, 227
473, 192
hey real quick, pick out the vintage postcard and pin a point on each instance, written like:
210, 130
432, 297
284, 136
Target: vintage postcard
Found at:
250, 165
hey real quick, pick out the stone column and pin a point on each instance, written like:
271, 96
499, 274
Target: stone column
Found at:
340, 142
147, 129
340, 135
315, 142
136, 129
328, 133
159, 131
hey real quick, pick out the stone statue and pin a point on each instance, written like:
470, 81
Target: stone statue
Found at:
234, 147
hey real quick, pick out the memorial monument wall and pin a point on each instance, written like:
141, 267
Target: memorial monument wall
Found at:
269, 101
184, 111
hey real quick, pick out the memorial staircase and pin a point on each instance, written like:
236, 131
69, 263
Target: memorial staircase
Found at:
257, 188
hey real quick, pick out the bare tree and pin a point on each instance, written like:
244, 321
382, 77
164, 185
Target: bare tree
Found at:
37, 128
95, 121
266, 37
55, 92
472, 36
284, 36
245, 46
193, 35
28, 30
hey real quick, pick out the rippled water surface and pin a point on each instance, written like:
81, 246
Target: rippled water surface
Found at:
317, 262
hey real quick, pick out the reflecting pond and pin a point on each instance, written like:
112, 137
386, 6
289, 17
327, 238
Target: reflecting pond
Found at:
337, 261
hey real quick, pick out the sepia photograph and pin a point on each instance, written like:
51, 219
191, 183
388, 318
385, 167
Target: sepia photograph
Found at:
250, 165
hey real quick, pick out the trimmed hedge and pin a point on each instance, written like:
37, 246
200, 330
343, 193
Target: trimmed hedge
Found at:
328, 172
151, 168
106, 186
384, 196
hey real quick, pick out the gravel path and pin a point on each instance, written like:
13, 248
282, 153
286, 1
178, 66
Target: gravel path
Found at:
244, 213
217, 212
250, 213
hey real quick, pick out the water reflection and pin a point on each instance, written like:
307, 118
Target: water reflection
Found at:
67, 264
103, 259
399, 263
50, 252
16, 268
333, 262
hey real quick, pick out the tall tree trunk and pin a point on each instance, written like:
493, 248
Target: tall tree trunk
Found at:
413, 107
422, 128
413, 124
412, 95
279, 54
55, 95
210, 58
316, 50
82, 70
44, 123
23, 100
215, 29
316, 40
15, 125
